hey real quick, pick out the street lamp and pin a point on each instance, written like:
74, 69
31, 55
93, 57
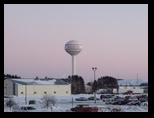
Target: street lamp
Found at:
94, 69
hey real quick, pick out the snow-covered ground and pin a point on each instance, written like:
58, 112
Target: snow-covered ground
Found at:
65, 103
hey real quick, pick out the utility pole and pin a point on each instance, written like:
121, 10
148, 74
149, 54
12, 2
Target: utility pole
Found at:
94, 69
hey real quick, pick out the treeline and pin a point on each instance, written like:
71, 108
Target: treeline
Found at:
106, 82
11, 76
78, 86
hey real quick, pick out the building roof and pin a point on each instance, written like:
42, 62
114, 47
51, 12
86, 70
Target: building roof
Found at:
39, 82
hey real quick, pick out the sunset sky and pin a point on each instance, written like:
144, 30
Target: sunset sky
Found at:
114, 38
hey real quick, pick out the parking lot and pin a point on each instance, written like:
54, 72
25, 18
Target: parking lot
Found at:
65, 103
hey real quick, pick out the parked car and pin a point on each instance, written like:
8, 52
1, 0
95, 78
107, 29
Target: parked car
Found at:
132, 98
25, 108
141, 96
112, 101
127, 97
108, 101
81, 99
123, 102
143, 99
32, 101
135, 102
118, 98
106, 96
84, 108
92, 98
115, 102
144, 103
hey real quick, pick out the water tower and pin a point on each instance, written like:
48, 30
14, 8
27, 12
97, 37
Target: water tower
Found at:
73, 47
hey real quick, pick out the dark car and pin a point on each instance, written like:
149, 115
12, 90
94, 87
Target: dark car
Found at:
143, 99
92, 98
123, 102
81, 99
106, 96
141, 96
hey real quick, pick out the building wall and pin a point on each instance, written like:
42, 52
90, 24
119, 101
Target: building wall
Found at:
8, 86
124, 89
16, 90
36, 90
41, 90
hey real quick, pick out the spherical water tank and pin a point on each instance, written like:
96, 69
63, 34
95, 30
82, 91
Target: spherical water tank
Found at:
73, 47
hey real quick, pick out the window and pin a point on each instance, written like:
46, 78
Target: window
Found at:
54, 92
35, 92
66, 91
22, 92
45, 92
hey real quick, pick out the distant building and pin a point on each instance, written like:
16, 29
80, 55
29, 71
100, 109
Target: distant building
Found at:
88, 89
137, 86
123, 89
36, 87
101, 91
145, 87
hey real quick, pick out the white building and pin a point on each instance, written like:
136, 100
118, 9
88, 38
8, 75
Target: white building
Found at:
33, 87
123, 89
88, 88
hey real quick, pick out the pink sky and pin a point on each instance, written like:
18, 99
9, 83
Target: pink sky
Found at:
115, 40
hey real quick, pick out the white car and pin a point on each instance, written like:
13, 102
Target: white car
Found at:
25, 108
132, 98
145, 103
135, 102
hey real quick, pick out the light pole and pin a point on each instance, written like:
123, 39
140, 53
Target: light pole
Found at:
94, 69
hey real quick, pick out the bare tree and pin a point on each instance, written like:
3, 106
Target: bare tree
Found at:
48, 100
10, 102
53, 100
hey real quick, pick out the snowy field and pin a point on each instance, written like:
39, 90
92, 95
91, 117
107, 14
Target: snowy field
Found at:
65, 103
